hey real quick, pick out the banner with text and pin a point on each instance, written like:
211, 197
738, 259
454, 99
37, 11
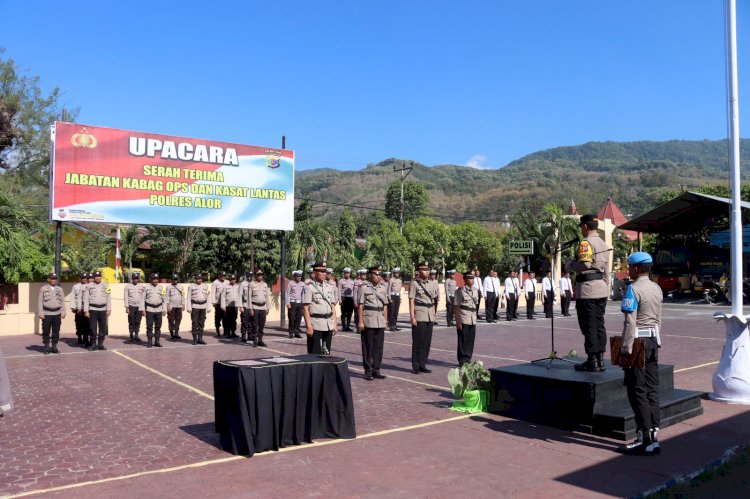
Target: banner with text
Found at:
120, 176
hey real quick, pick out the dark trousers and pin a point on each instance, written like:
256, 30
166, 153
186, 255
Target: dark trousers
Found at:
591, 321
153, 324
174, 316
98, 325
530, 301
82, 325
565, 302
295, 318
466, 343
549, 298
510, 310
643, 389
229, 321
258, 322
347, 308
421, 339
496, 305
490, 307
315, 342
449, 310
198, 320
372, 349
218, 318
134, 320
479, 301
394, 310
246, 327
51, 329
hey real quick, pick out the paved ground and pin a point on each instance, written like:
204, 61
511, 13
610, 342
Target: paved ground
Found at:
138, 422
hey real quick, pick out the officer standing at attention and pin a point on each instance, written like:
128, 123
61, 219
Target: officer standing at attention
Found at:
155, 299
642, 308
371, 301
385, 277
450, 291
511, 296
332, 281
217, 291
479, 287
76, 306
85, 323
197, 306
319, 311
230, 302
294, 304
592, 290
260, 300
175, 305
359, 281
490, 297
346, 293
51, 311
422, 296
246, 327
394, 294
434, 281
466, 304
549, 294
133, 298
97, 307
529, 287
566, 293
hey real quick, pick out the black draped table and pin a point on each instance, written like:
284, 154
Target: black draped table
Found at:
264, 404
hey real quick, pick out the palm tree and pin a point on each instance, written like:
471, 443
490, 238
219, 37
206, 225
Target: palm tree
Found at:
556, 228
311, 235
130, 238
14, 224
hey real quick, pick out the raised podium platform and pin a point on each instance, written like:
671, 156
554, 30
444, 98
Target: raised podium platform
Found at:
555, 394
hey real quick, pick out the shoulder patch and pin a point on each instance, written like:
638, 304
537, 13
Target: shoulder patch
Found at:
585, 253
629, 302
108, 291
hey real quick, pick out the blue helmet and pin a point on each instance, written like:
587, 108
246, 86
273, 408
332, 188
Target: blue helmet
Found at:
639, 257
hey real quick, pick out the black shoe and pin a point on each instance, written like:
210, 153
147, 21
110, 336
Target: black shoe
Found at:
54, 349
425, 370
368, 376
101, 347
157, 343
177, 336
92, 348
297, 335
80, 341
588, 366
415, 371
195, 341
379, 376
255, 342
150, 343
138, 339
600, 363
47, 350
291, 336
262, 343
200, 340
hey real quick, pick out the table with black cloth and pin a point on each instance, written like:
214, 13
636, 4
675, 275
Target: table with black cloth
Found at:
263, 404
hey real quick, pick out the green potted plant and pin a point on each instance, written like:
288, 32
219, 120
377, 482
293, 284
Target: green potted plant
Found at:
472, 382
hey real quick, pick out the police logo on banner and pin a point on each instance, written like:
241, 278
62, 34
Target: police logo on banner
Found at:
273, 159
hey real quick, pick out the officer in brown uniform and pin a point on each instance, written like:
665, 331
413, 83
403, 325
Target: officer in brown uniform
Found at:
294, 291
51, 311
175, 305
592, 290
465, 306
319, 311
154, 307
372, 301
217, 290
76, 306
332, 281
97, 306
197, 307
360, 280
346, 295
259, 301
394, 295
133, 298
86, 322
230, 303
423, 294
450, 291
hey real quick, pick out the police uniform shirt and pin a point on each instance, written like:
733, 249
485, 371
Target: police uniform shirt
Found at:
530, 286
245, 293
197, 296
467, 298
259, 295
333, 283
320, 297
394, 286
450, 287
155, 298
230, 296
134, 295
217, 290
175, 296
97, 298
592, 257
294, 292
642, 307
51, 300
373, 300
346, 288
424, 293
357, 284
76, 298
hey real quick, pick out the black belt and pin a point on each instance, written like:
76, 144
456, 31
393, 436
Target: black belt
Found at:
91, 305
259, 304
51, 309
374, 309
198, 302
466, 307
321, 316
153, 306
590, 276
419, 304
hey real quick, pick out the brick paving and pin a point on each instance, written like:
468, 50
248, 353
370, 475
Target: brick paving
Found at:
84, 416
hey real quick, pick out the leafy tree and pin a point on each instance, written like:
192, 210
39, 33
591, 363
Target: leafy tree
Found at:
130, 238
556, 228
428, 239
386, 246
27, 261
173, 249
311, 239
416, 201
87, 253
473, 246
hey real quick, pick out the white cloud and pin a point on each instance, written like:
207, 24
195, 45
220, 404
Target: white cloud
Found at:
477, 161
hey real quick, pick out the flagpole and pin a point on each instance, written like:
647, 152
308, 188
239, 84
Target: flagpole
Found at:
118, 265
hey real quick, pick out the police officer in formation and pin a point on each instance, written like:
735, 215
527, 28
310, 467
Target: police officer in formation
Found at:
394, 294
566, 294
294, 292
332, 281
371, 301
592, 290
423, 293
231, 300
197, 306
450, 291
548, 289
246, 327
217, 291
76, 302
642, 308
134, 302
529, 287
511, 297
359, 281
466, 305
346, 294
155, 298
319, 311
97, 307
258, 301
51, 311
175, 305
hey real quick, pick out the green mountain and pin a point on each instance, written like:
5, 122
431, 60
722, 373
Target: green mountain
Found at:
635, 174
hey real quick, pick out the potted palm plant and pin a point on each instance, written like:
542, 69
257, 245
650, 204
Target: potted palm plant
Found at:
472, 382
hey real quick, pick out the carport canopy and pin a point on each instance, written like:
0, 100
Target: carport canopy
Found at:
682, 215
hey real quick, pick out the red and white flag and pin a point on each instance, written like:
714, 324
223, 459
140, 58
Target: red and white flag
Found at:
118, 268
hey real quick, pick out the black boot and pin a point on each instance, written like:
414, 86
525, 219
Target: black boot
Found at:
600, 362
54, 348
137, 338
195, 339
244, 338
101, 344
80, 340
261, 343
150, 342
200, 339
177, 335
589, 365
157, 343
47, 349
132, 336
638, 442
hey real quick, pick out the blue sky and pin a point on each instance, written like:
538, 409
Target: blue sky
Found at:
354, 82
